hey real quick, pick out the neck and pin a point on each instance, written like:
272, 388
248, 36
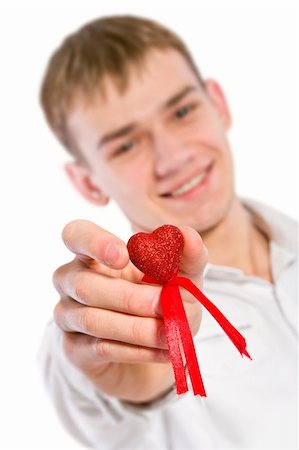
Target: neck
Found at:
236, 242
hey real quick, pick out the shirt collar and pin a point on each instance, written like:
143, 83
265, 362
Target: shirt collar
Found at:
282, 232
279, 228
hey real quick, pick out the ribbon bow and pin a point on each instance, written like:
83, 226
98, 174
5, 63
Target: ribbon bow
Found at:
178, 331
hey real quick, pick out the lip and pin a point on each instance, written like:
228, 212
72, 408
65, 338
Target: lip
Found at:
195, 190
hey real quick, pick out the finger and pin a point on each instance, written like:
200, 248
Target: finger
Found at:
94, 289
195, 255
105, 324
82, 349
88, 240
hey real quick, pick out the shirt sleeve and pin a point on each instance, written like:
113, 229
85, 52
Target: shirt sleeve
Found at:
93, 418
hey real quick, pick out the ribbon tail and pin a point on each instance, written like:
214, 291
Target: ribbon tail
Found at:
173, 341
188, 345
237, 339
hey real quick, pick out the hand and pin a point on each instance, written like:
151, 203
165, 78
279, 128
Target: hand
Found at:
112, 323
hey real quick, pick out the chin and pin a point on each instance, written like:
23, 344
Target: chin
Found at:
212, 216
208, 217
199, 224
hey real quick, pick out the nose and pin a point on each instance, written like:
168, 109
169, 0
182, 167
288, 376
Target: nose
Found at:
171, 153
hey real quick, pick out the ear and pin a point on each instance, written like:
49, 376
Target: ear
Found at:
81, 178
217, 97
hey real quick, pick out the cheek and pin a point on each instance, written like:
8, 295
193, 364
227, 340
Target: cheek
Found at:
212, 131
217, 141
123, 181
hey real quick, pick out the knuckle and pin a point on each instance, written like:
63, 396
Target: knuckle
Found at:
128, 301
131, 303
59, 276
57, 313
80, 286
137, 331
87, 321
102, 349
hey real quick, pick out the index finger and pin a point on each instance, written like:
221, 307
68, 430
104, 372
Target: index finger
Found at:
84, 238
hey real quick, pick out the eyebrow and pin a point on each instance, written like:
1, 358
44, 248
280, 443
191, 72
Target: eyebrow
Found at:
126, 129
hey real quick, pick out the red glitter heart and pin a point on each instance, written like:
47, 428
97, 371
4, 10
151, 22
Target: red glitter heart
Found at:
157, 254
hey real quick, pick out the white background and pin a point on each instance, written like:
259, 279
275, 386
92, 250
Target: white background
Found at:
250, 47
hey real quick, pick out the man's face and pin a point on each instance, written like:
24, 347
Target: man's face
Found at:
160, 148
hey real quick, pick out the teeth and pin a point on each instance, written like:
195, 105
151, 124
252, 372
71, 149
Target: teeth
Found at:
187, 186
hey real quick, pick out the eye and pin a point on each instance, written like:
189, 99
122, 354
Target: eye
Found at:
127, 146
183, 112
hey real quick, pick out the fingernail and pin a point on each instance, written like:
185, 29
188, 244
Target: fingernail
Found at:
112, 254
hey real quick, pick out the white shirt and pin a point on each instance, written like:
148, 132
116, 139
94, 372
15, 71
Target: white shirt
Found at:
249, 404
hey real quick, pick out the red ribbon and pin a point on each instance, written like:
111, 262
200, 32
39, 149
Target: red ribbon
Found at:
178, 332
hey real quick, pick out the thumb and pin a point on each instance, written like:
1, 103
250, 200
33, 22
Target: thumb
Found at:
195, 254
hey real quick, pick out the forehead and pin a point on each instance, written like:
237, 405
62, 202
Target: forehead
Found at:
162, 74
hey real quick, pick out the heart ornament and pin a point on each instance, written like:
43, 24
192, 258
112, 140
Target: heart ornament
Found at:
157, 254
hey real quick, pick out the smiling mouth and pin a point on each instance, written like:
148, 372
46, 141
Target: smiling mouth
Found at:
198, 179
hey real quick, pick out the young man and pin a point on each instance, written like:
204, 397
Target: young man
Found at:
125, 97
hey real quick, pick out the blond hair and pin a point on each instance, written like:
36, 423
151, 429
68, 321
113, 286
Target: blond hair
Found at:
106, 46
